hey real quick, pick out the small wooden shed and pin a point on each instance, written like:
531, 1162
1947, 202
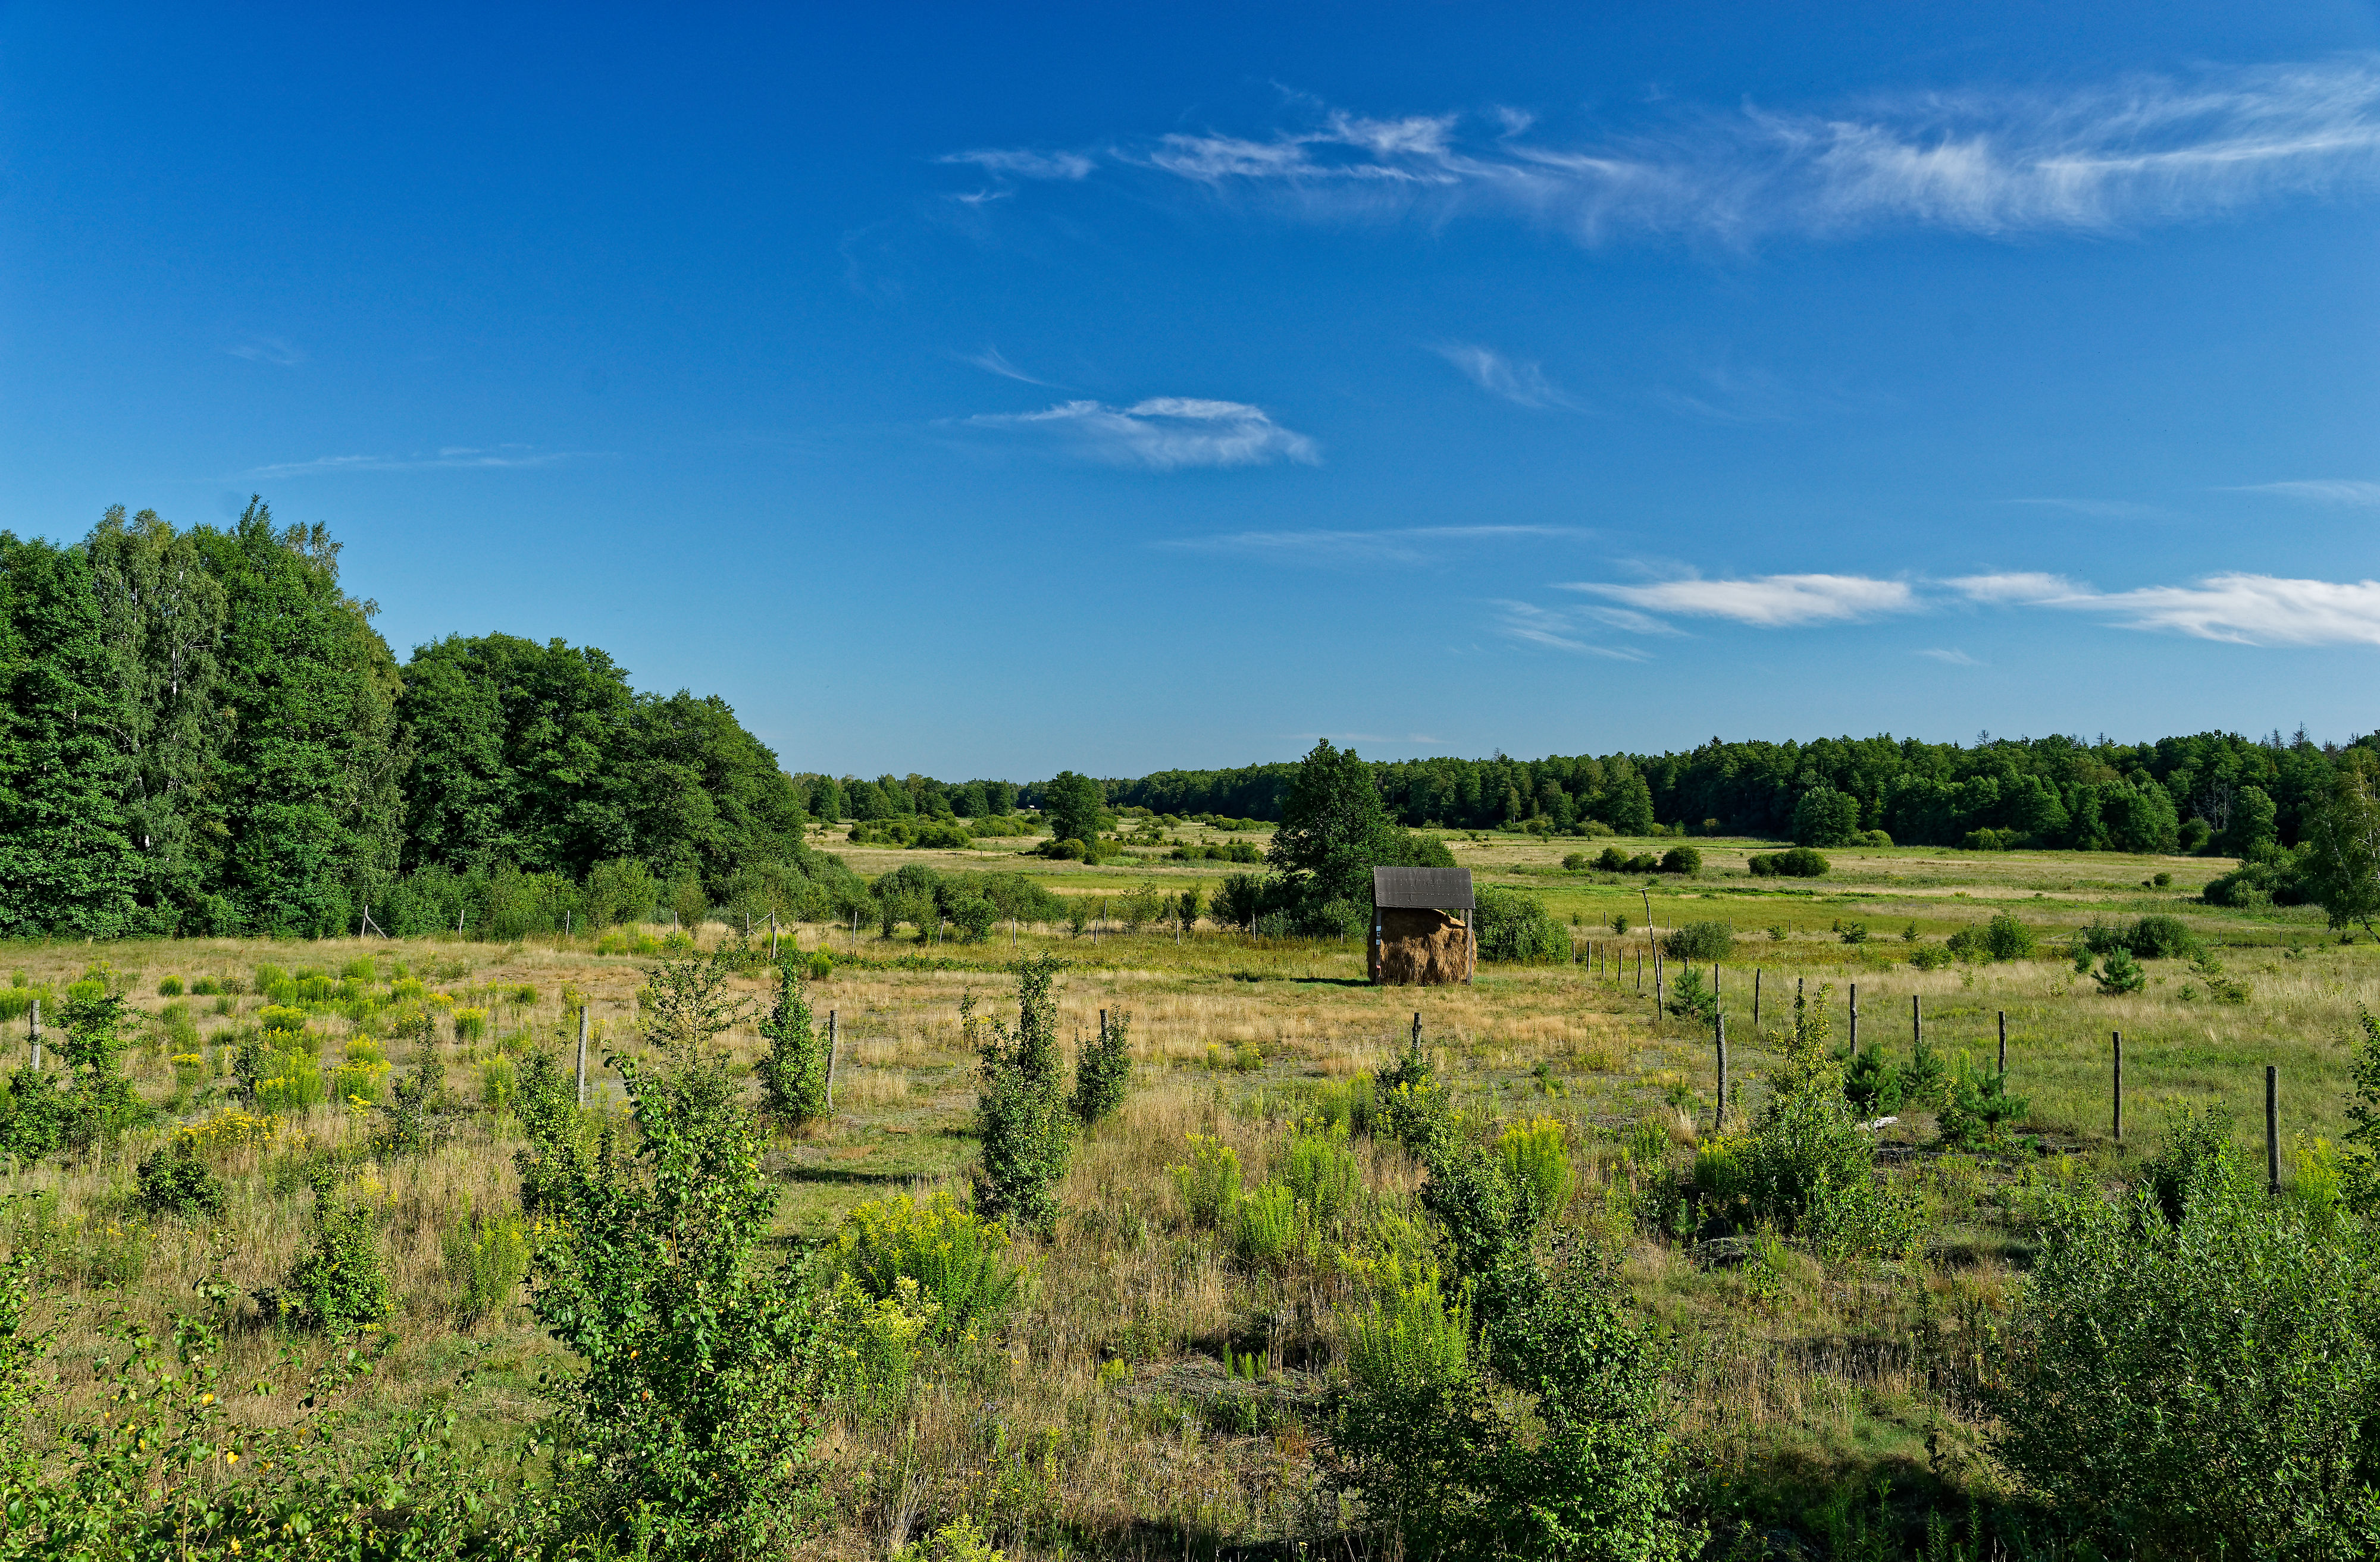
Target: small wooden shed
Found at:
1421, 925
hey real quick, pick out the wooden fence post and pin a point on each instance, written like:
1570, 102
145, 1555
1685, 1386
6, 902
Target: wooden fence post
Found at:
1416, 1030
37, 1035
1917, 1026
1718, 1118
832, 1042
1755, 1006
2273, 1127
2118, 1085
1854, 1035
2003, 1042
582, 1055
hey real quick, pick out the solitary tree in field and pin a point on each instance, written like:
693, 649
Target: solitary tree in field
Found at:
1825, 817
1074, 806
1334, 831
2342, 855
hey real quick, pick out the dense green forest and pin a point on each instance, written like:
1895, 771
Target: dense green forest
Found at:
202, 733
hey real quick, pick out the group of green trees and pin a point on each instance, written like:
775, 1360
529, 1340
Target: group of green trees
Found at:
202, 733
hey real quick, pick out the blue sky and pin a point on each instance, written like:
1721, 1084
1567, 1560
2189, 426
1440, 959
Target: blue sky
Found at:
995, 390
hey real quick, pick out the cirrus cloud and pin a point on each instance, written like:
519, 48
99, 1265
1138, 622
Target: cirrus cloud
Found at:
1766, 601
1162, 433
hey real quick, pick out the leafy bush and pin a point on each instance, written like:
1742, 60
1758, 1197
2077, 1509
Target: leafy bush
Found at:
1708, 942
337, 1285
174, 1180
1933, 957
1555, 1445
689, 1420
1690, 997
1513, 927
2007, 939
1022, 1117
2162, 938
1823, 817
953, 1258
1799, 862
1681, 860
1871, 1083
1103, 1071
2198, 1385
793, 1073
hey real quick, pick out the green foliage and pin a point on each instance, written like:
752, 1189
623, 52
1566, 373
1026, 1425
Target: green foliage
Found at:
486, 1258
2119, 974
2005, 938
1320, 1171
2341, 848
1209, 1182
338, 1284
1690, 997
1823, 817
1073, 808
793, 1073
1514, 926
2362, 1141
1978, 1108
950, 1259
1682, 860
2201, 1380
1708, 942
961, 1540
685, 1428
2162, 938
1334, 831
1871, 1083
1263, 1224
1799, 862
1022, 1118
1550, 1441
1103, 1071
1535, 1160
175, 1179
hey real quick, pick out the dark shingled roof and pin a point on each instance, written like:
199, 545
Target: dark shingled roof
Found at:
1435, 889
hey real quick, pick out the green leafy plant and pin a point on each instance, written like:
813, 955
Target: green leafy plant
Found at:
1978, 1109
1708, 942
1103, 1071
2119, 974
1022, 1118
954, 1259
1209, 1182
487, 1257
175, 1179
793, 1073
338, 1285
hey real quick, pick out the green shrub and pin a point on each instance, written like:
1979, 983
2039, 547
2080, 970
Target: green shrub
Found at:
684, 1430
2199, 1381
337, 1285
954, 1259
1871, 1083
1681, 860
1799, 862
170, 987
174, 1180
1550, 1441
1353, 1106
961, 1540
1932, 957
1708, 942
1690, 996
1511, 927
2119, 974
2007, 939
1978, 1106
1103, 1071
2162, 938
793, 1071
1022, 1117
1853, 932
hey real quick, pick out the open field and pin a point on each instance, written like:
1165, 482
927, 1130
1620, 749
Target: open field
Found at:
1100, 1419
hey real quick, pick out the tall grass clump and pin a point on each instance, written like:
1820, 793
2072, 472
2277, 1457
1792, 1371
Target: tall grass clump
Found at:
1209, 1183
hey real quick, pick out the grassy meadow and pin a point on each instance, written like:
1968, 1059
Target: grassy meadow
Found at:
1116, 1410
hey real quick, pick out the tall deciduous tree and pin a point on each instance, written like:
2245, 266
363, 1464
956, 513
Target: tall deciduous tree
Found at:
1074, 805
2342, 847
65, 859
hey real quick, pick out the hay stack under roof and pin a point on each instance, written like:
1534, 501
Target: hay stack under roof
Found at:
1421, 927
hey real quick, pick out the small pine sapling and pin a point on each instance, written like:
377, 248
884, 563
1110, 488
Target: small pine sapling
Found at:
793, 1071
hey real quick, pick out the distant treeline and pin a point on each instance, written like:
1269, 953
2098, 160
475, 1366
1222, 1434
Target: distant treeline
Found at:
202, 733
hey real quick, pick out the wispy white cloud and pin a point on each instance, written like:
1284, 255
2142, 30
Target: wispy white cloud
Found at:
2099, 509
450, 457
1401, 545
2141, 150
2319, 491
2247, 610
1162, 433
268, 349
1516, 380
1952, 655
991, 362
1554, 630
1768, 601
1022, 165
